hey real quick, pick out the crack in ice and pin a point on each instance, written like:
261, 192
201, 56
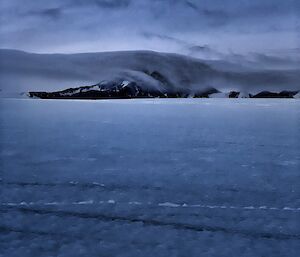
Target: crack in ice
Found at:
153, 222
163, 205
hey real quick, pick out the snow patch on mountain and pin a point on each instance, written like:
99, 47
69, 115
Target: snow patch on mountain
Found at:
297, 95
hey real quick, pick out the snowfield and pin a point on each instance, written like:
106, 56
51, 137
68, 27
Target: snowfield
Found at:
172, 177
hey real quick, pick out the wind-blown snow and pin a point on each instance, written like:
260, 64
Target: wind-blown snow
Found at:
243, 95
173, 177
219, 95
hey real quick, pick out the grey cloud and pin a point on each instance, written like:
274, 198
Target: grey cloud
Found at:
106, 4
187, 45
204, 48
150, 35
188, 48
191, 5
98, 25
113, 4
53, 13
217, 15
204, 52
99, 4
276, 61
24, 71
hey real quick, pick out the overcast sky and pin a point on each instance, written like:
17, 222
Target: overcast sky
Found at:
211, 27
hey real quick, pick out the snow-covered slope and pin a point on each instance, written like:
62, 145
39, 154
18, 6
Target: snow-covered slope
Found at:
297, 95
23, 72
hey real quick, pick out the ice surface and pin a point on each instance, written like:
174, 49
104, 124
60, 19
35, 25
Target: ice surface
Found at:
173, 177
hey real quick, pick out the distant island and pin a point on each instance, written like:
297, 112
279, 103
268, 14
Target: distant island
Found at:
127, 90
141, 74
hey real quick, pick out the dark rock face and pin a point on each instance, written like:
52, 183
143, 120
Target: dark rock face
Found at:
113, 90
283, 94
287, 94
233, 94
266, 94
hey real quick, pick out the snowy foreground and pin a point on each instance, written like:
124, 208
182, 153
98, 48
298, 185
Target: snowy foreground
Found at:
175, 177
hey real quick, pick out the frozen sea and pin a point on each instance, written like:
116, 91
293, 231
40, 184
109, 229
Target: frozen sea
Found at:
176, 177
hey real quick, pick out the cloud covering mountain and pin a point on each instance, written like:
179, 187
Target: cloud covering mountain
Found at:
247, 44
22, 72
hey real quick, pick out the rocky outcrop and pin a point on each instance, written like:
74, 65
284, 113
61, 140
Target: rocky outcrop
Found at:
108, 90
131, 89
282, 94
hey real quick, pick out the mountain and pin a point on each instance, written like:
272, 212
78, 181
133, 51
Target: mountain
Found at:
150, 71
127, 89
120, 89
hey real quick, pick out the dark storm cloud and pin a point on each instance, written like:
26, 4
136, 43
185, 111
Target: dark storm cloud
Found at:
163, 25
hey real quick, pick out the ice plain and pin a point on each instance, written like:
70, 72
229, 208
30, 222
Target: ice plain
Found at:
173, 177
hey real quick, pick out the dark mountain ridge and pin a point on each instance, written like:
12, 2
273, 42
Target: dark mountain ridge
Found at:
127, 90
